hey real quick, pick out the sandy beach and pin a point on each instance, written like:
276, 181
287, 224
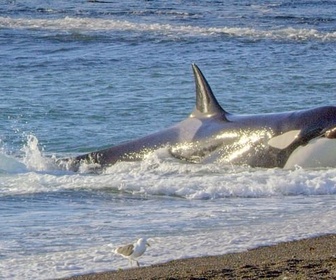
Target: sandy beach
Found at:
313, 258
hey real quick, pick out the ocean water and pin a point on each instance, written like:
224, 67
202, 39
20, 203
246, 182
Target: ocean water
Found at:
77, 76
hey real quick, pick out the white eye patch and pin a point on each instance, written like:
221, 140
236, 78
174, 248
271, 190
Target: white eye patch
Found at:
284, 140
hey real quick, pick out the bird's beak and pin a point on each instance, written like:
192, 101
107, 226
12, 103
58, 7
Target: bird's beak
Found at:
147, 244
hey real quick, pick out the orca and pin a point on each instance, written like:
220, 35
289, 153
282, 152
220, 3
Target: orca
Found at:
210, 134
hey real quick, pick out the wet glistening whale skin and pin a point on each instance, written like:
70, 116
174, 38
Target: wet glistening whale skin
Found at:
305, 138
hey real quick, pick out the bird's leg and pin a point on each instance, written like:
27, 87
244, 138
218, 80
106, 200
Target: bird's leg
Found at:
137, 263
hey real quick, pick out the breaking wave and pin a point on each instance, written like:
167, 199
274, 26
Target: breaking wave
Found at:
72, 24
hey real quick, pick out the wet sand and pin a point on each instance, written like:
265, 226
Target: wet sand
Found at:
313, 258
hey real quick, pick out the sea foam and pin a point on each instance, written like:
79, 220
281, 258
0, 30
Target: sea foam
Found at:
95, 24
161, 175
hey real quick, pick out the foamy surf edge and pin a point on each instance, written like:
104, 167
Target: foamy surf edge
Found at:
73, 24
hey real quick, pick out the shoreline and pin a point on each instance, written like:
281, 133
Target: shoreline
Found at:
311, 258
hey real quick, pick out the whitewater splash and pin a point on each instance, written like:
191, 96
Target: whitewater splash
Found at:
160, 175
32, 158
93, 24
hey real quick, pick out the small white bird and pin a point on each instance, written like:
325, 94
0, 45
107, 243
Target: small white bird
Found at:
133, 251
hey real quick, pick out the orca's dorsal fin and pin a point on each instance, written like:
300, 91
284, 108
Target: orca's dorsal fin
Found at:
206, 103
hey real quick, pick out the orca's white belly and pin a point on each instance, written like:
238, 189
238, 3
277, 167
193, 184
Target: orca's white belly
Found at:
320, 152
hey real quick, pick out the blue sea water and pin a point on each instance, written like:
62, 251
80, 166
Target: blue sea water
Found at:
76, 76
